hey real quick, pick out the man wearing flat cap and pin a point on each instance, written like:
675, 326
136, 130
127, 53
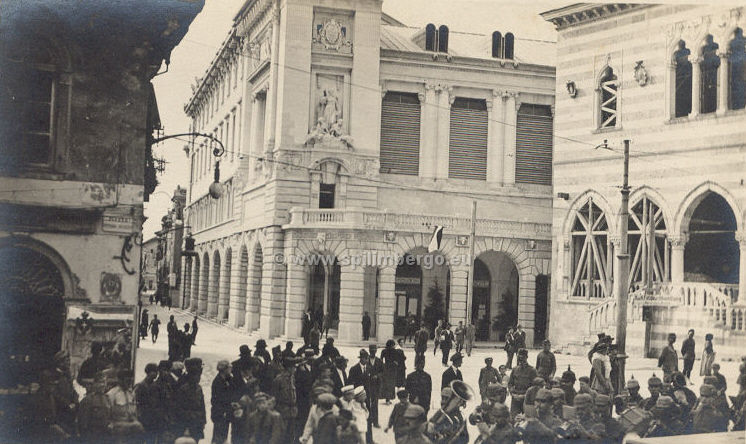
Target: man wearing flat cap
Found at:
520, 380
146, 402
452, 373
412, 421
585, 426
419, 384
220, 402
666, 419
545, 426
265, 423
707, 417
546, 364
189, 401
286, 398
487, 375
326, 430
669, 358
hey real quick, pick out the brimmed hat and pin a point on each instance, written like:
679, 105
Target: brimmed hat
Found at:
664, 402
326, 400
416, 412
363, 353
348, 389
244, 350
358, 390
582, 400
261, 343
457, 357
164, 365
494, 390
151, 367
543, 395
558, 393
537, 381
193, 364
320, 389
340, 360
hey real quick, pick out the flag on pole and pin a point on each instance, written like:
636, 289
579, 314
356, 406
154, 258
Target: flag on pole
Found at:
435, 240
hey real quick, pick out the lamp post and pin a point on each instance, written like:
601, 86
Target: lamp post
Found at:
216, 188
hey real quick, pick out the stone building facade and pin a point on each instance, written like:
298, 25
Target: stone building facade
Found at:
671, 79
348, 138
170, 243
77, 110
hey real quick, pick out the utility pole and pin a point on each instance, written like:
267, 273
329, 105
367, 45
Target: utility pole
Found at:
470, 279
621, 278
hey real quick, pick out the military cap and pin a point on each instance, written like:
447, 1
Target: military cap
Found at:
707, 390
403, 393
500, 410
558, 393
193, 363
344, 413
223, 364
414, 411
538, 381
261, 343
488, 360
326, 400
457, 357
494, 390
585, 379
522, 352
664, 402
348, 389
546, 342
712, 380
632, 384
568, 376
151, 367
164, 365
582, 400
654, 381
602, 400
543, 395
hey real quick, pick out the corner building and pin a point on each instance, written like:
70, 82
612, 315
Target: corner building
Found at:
671, 79
349, 137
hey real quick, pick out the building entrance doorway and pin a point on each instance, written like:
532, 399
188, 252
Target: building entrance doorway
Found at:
408, 291
541, 308
323, 291
481, 301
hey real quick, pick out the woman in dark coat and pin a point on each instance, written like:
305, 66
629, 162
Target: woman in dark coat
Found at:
401, 374
390, 370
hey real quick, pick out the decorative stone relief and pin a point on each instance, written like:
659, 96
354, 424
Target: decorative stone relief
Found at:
641, 74
331, 35
329, 128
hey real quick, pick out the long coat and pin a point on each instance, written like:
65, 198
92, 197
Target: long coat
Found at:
420, 386
450, 375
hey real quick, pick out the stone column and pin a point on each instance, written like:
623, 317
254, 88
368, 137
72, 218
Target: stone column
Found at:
526, 304
237, 291
741, 238
428, 131
696, 85
495, 145
254, 291
386, 302
444, 130
296, 294
226, 269
186, 282
511, 112
194, 298
257, 121
677, 257
271, 119
459, 282
214, 289
723, 70
351, 302
204, 283
272, 313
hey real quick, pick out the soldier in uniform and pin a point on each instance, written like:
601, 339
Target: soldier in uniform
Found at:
503, 431
546, 426
558, 401
487, 375
707, 417
265, 423
189, 401
654, 387
634, 398
419, 384
614, 430
147, 403
567, 384
420, 340
94, 414
519, 382
666, 419
447, 425
286, 397
536, 384
412, 421
546, 363
586, 427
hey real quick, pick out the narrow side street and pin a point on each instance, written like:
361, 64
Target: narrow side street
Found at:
215, 342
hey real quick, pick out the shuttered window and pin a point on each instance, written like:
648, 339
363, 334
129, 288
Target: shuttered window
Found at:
400, 134
533, 145
467, 153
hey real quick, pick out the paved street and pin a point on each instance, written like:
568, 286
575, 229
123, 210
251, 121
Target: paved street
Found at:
215, 342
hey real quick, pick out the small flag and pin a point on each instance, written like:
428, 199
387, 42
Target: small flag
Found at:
435, 240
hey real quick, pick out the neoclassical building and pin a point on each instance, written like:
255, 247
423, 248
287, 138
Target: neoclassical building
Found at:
348, 138
672, 80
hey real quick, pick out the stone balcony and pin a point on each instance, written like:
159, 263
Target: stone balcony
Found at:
385, 220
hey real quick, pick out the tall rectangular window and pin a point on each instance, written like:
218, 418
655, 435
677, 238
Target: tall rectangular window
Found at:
326, 195
533, 145
400, 134
467, 153
683, 81
709, 67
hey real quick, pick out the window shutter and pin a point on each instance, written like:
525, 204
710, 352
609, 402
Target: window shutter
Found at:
467, 154
400, 134
533, 145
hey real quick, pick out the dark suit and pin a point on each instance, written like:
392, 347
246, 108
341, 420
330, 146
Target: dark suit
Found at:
326, 430
450, 375
370, 380
376, 374
420, 387
339, 381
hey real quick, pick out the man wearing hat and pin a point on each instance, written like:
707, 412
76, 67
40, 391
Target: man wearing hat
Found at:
601, 371
265, 423
707, 417
419, 384
452, 373
585, 426
447, 425
303, 384
125, 424
614, 430
373, 392
244, 358
545, 426
361, 412
633, 399
546, 363
666, 419
502, 431
164, 388
537, 384
520, 380
286, 398
220, 402
326, 431
339, 374
189, 401
669, 359
413, 419
147, 403
558, 401
567, 384
487, 375
420, 340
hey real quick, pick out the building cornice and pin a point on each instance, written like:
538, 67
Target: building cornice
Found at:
583, 13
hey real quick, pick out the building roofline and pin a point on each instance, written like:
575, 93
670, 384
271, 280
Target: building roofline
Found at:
582, 13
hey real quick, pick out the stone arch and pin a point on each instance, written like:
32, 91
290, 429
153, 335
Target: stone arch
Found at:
695, 196
51, 254
254, 286
500, 296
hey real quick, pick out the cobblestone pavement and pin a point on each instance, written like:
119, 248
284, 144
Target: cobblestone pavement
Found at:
215, 342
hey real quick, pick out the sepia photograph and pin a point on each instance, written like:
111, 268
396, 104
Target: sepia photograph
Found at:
372, 222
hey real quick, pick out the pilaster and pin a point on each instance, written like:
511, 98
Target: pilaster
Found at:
445, 100
386, 302
512, 103
496, 128
723, 72
225, 287
351, 302
212, 290
741, 238
237, 292
459, 282
678, 243
428, 131
272, 312
296, 291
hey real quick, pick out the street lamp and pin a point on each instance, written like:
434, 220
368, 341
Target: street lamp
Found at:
216, 188
621, 273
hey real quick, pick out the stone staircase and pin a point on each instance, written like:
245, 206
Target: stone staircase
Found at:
676, 307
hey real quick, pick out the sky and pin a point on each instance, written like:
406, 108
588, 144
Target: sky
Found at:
193, 55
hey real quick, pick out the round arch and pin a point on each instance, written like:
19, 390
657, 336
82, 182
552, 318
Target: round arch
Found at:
422, 288
204, 284
495, 294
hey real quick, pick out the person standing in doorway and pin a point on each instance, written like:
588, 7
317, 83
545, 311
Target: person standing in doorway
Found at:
688, 353
326, 324
366, 326
306, 326
420, 340
154, 328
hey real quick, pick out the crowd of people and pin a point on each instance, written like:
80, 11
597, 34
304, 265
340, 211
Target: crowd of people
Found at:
310, 394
